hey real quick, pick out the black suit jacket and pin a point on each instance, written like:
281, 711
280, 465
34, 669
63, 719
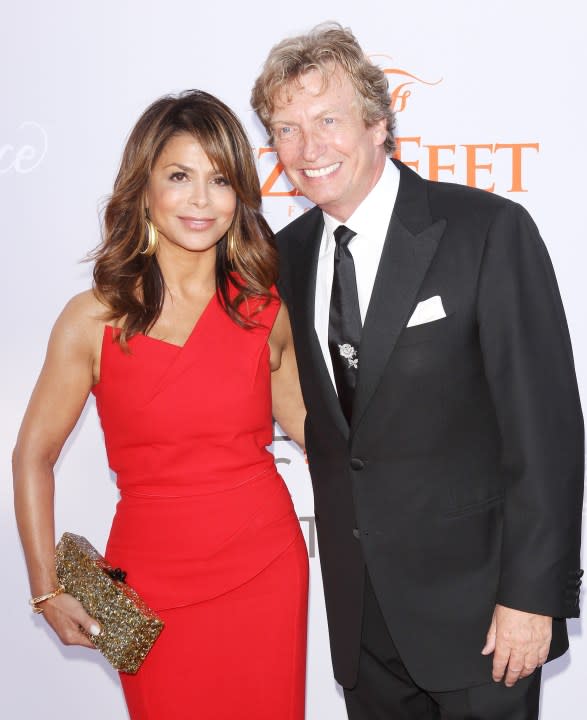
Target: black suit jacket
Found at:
459, 483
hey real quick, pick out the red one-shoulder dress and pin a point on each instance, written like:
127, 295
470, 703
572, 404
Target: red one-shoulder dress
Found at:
205, 527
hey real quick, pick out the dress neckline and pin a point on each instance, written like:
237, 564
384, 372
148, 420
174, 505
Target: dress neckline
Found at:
175, 346
201, 316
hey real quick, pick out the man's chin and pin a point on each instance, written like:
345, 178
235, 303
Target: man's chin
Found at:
318, 195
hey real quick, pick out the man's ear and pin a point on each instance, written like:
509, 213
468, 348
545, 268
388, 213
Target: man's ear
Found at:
379, 130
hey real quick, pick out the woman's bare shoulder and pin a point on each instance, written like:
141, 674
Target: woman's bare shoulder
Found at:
86, 304
82, 320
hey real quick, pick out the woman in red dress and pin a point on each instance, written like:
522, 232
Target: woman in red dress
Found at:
188, 351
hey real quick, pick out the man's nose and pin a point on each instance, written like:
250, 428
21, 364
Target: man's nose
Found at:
313, 146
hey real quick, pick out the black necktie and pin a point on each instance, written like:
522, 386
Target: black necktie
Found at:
344, 323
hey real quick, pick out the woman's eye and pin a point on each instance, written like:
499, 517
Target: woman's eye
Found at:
178, 176
328, 121
221, 180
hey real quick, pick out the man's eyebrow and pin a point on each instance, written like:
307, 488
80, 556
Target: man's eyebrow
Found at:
319, 116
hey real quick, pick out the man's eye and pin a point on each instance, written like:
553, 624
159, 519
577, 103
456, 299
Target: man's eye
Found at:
178, 176
285, 131
328, 121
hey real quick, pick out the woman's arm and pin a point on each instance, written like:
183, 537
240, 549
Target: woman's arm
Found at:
57, 401
288, 404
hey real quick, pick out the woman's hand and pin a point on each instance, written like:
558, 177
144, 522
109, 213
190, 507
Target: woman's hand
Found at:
70, 621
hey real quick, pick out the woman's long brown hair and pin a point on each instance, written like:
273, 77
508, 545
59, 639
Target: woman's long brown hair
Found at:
129, 283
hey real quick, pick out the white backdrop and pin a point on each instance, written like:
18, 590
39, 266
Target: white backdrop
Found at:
506, 77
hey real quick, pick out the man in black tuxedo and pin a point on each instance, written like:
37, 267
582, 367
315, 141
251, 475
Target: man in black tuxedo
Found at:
444, 431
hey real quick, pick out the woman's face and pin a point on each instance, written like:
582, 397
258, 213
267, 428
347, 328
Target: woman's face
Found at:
190, 203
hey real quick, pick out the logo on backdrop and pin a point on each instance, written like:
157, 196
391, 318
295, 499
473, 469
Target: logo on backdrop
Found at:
27, 150
401, 82
307, 522
492, 166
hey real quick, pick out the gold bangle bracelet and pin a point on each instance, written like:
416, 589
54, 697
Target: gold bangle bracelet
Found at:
36, 601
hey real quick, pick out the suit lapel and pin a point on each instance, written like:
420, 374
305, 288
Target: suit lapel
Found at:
410, 245
306, 271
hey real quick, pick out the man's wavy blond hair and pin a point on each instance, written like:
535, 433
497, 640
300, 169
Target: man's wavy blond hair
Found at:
325, 48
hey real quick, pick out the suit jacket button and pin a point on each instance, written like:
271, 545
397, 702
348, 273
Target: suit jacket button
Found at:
356, 533
357, 464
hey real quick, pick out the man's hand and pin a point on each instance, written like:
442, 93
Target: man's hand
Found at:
519, 641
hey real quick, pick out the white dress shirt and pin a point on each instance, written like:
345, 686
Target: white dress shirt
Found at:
370, 222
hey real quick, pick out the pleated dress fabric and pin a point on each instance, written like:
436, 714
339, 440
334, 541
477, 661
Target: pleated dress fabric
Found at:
205, 527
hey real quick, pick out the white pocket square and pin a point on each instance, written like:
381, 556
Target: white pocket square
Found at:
427, 311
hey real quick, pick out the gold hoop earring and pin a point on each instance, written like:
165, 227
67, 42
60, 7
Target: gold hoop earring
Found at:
152, 237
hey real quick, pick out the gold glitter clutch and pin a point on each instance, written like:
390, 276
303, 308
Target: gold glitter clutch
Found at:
129, 626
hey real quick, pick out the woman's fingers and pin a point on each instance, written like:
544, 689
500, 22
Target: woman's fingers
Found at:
70, 621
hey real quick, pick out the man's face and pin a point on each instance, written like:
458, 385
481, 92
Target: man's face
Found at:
327, 152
